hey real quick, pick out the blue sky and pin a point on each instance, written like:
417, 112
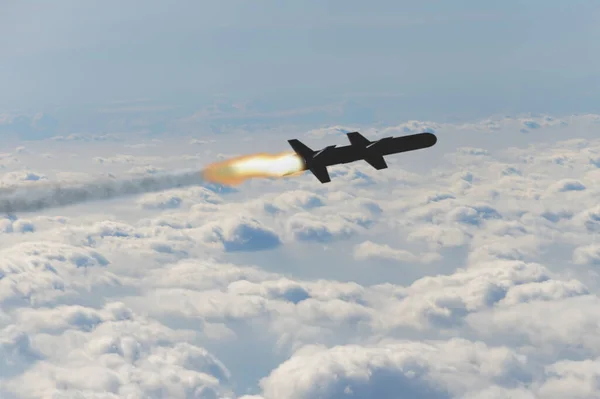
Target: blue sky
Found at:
385, 61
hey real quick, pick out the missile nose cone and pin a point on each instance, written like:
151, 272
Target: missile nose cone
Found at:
429, 139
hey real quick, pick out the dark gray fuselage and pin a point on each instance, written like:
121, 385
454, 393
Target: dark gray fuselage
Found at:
334, 155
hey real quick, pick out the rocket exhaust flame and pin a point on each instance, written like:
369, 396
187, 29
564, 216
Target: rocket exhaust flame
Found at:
235, 171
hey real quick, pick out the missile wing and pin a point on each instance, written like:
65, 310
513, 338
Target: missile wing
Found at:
371, 157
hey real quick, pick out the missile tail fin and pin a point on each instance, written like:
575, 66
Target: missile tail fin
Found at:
301, 149
320, 173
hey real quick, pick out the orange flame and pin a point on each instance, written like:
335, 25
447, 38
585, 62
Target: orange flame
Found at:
237, 170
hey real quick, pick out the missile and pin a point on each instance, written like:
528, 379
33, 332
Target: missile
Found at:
360, 148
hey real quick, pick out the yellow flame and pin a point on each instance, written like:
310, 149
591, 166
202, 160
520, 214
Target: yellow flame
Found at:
237, 170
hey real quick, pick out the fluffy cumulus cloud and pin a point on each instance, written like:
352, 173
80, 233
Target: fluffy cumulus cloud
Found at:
469, 270
427, 369
76, 351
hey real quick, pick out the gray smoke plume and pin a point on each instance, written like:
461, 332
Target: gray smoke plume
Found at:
39, 196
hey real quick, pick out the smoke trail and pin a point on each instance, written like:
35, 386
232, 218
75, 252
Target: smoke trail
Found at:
40, 196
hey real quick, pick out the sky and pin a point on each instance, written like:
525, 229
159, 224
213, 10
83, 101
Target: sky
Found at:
381, 61
466, 270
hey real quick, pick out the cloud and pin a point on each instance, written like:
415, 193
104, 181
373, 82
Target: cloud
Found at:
410, 127
23, 176
126, 159
301, 312
86, 137
200, 141
470, 151
10, 225
357, 288
571, 379
239, 234
369, 249
35, 273
417, 369
438, 236
330, 131
296, 199
146, 169
588, 254
444, 301
558, 329
567, 185
311, 228
110, 352
175, 199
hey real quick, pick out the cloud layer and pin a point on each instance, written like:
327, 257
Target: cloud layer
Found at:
471, 275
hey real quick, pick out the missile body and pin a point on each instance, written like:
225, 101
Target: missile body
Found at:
360, 148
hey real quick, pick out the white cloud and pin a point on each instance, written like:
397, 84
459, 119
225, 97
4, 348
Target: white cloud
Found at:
567, 185
35, 273
13, 178
127, 159
360, 287
86, 137
417, 369
239, 233
200, 141
9, 225
558, 323
324, 228
110, 351
174, 199
369, 249
571, 379
587, 254
299, 199
330, 131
